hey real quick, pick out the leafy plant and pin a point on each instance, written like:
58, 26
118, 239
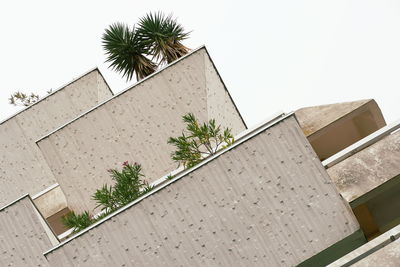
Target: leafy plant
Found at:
162, 35
157, 36
126, 52
22, 99
77, 222
200, 141
128, 186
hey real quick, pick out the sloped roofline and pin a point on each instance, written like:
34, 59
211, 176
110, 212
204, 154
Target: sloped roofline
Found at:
249, 134
140, 82
56, 91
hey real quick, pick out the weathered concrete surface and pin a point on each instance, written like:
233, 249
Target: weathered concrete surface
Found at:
22, 236
135, 126
51, 202
378, 252
22, 166
388, 256
331, 128
313, 119
264, 202
368, 169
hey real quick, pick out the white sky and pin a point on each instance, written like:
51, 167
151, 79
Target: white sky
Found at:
272, 55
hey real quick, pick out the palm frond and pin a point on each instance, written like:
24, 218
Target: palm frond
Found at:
126, 53
162, 36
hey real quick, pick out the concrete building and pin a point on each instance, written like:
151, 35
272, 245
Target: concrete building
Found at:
135, 125
304, 188
23, 168
366, 174
369, 181
266, 200
364, 166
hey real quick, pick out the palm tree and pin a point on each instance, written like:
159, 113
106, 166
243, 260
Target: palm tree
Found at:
126, 52
162, 35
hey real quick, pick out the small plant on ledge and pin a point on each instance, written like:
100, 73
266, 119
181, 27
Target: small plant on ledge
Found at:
128, 186
21, 99
200, 141
77, 222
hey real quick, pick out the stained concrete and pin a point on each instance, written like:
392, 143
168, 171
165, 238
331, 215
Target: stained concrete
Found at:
368, 169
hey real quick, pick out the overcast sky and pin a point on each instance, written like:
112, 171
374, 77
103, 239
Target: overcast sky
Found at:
272, 55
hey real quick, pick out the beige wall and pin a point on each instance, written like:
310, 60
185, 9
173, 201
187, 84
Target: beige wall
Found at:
51, 202
22, 236
135, 126
265, 202
22, 166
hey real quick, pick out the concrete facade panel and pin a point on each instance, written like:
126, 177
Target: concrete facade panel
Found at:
388, 256
22, 237
267, 201
369, 168
22, 166
135, 126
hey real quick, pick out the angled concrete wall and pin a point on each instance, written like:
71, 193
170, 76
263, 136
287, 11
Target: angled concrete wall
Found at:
266, 201
368, 169
381, 251
23, 237
135, 126
22, 166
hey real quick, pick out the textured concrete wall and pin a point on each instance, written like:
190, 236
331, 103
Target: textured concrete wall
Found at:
265, 202
22, 166
388, 256
22, 237
367, 169
381, 251
135, 126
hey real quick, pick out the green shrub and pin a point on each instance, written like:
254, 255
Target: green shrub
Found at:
128, 186
199, 142
77, 222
